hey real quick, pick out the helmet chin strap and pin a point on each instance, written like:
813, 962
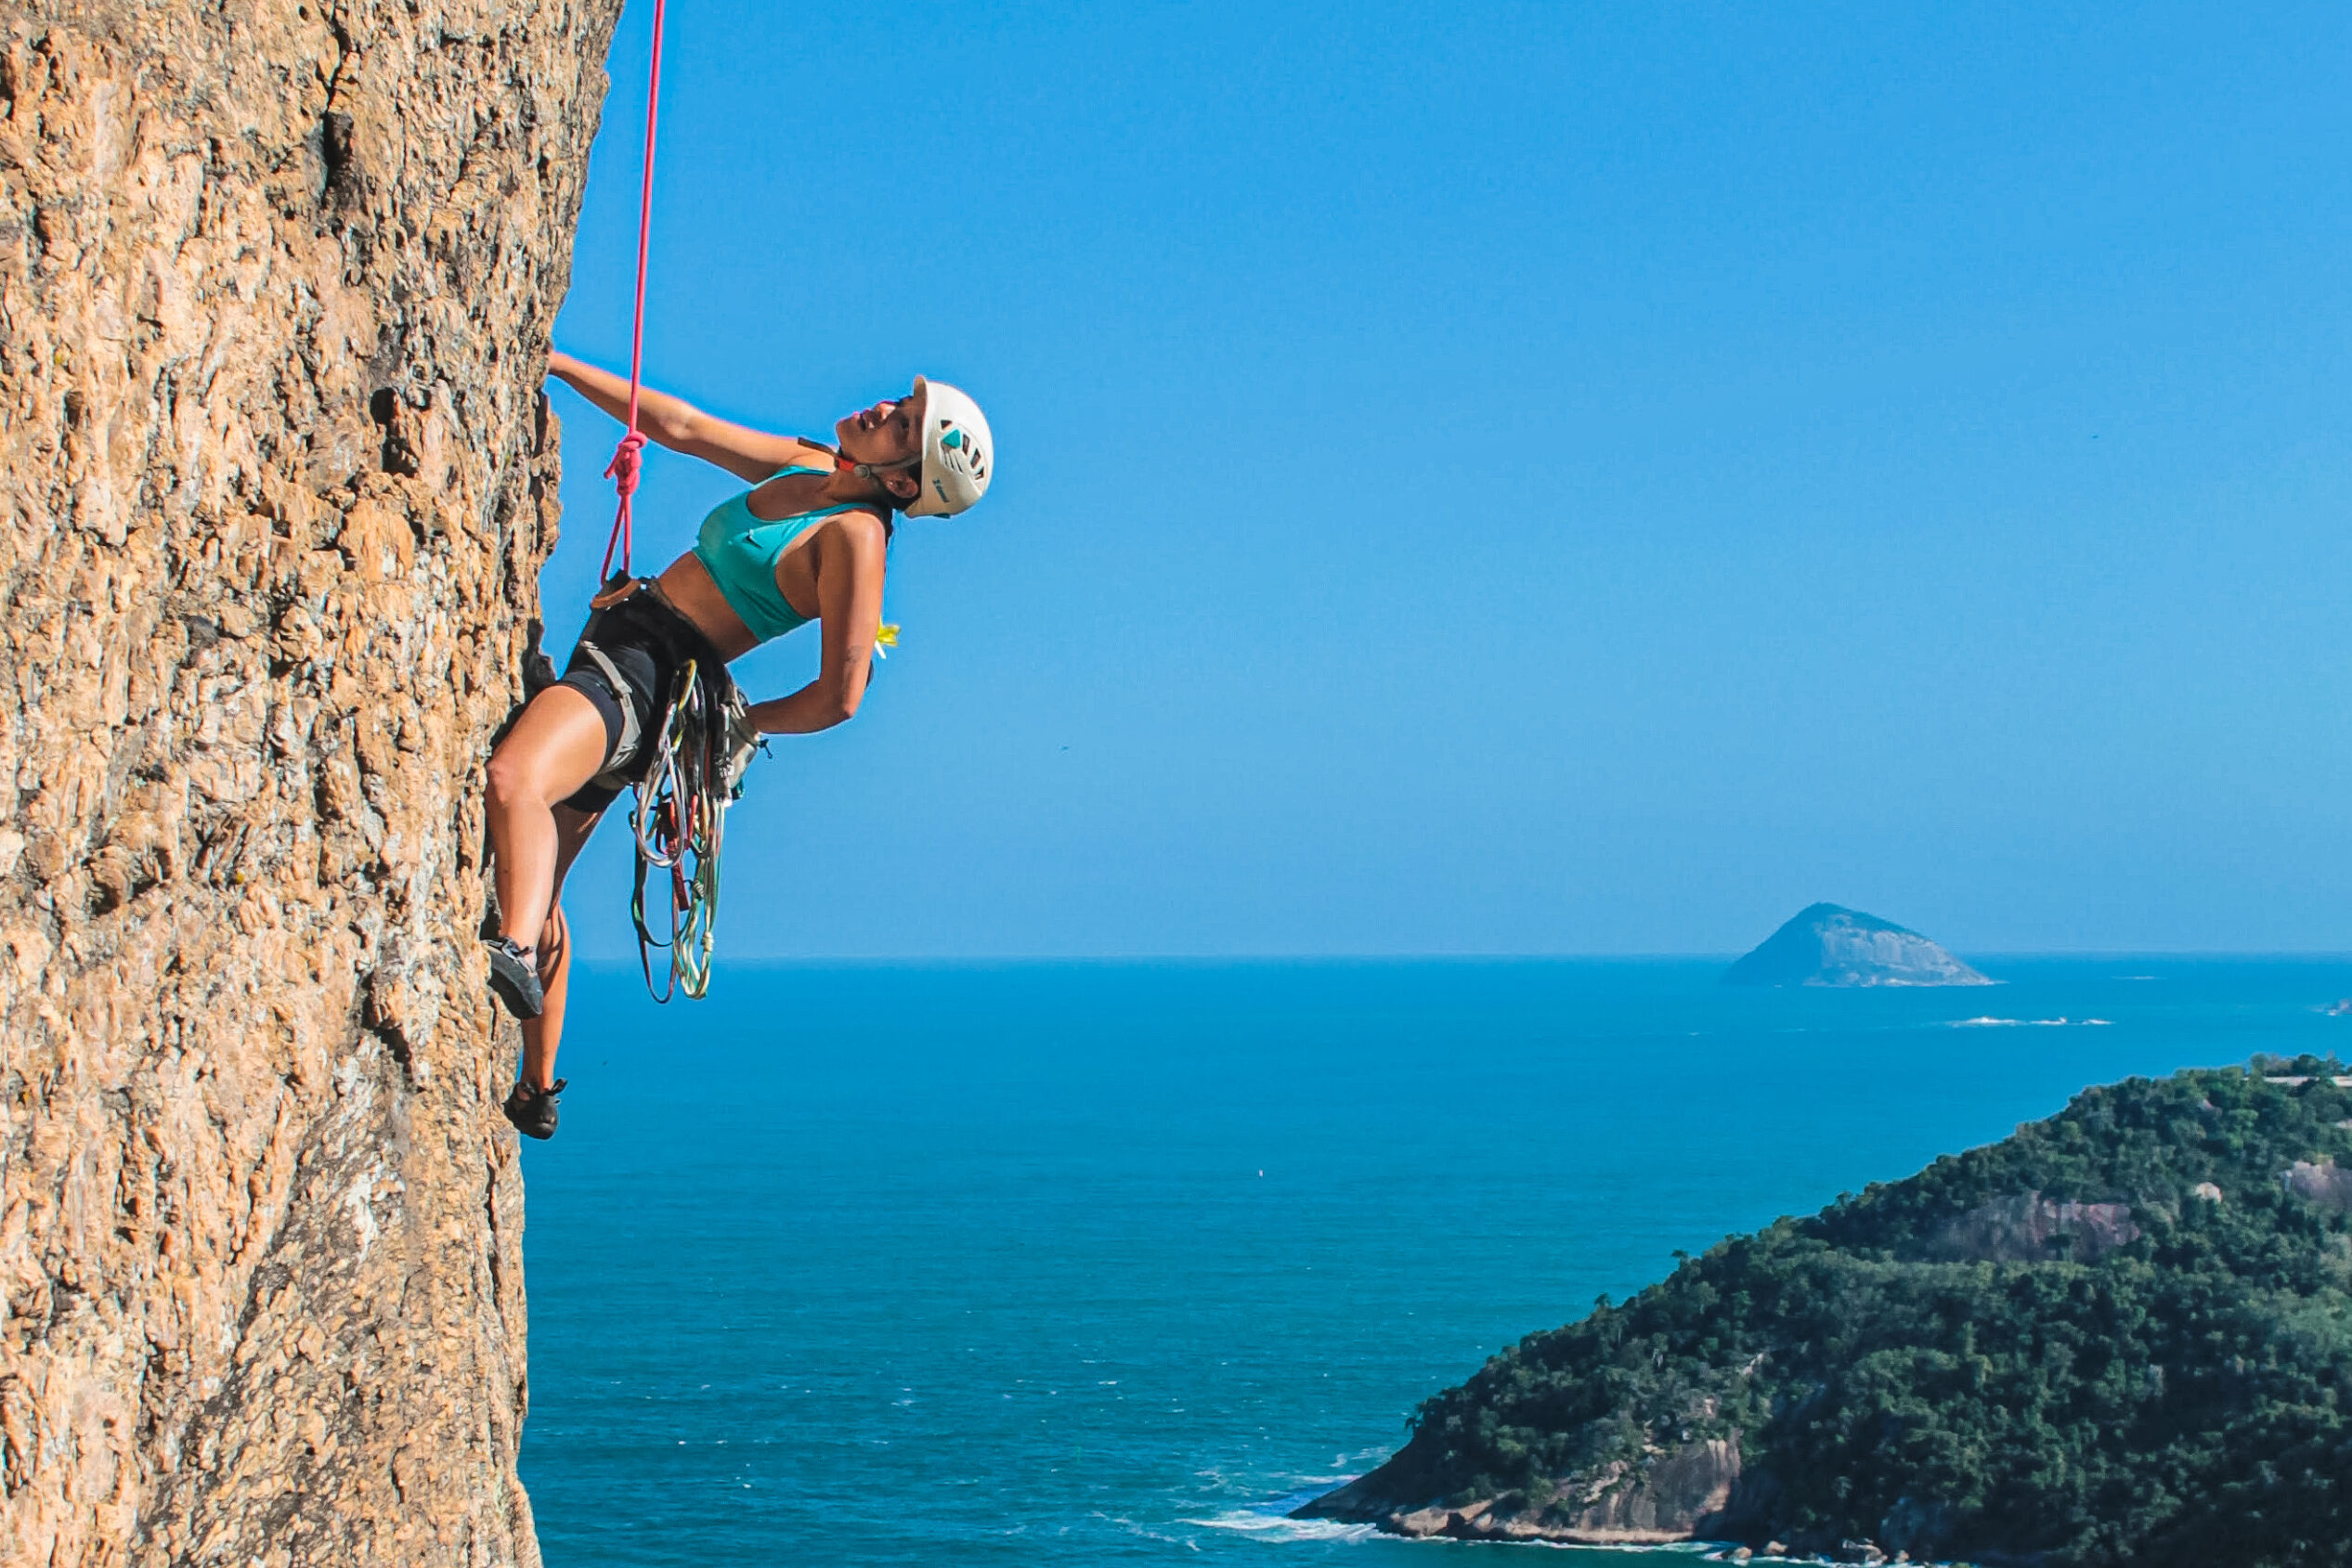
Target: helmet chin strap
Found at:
876, 470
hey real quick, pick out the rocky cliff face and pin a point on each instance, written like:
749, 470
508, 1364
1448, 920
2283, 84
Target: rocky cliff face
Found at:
275, 485
2026, 1227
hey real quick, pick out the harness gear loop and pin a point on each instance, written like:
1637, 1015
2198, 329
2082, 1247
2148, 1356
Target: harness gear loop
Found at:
679, 821
623, 468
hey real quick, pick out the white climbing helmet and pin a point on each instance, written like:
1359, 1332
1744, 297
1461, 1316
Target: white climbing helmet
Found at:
959, 455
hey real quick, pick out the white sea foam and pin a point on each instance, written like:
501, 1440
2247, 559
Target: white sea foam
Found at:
1278, 1527
2031, 1023
1272, 1522
1145, 1532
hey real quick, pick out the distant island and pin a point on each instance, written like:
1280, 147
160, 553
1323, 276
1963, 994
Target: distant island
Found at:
1830, 945
2121, 1336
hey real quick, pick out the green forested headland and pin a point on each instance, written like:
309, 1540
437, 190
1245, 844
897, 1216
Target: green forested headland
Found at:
2123, 1335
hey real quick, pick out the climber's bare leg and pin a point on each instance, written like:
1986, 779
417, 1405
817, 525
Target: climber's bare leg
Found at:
543, 1034
554, 749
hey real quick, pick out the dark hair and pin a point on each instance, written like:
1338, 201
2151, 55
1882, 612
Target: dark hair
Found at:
894, 507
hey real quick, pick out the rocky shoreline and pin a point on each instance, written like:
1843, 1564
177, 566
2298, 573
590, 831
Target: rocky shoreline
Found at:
1665, 1496
2103, 1340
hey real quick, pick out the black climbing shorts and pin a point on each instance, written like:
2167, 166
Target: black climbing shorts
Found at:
627, 663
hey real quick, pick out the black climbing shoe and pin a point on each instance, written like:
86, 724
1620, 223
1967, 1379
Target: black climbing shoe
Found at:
533, 1110
515, 978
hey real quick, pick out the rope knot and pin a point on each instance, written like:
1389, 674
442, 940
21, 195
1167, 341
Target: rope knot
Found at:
622, 471
626, 464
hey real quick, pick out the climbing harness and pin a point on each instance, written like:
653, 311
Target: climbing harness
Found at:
700, 752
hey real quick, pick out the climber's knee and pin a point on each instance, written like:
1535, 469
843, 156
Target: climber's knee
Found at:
509, 780
519, 779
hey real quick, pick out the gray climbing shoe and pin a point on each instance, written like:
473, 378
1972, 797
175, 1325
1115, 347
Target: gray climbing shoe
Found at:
515, 978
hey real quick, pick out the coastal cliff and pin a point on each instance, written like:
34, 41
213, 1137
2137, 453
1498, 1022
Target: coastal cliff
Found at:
276, 280
2122, 1336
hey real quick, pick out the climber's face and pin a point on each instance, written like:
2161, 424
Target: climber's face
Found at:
889, 432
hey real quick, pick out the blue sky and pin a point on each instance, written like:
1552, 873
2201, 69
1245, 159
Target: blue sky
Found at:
1527, 479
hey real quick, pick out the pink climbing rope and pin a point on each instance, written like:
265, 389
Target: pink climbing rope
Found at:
623, 469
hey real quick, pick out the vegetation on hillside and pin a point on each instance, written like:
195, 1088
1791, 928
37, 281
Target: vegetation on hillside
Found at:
2186, 1398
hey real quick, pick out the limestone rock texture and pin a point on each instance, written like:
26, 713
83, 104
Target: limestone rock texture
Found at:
276, 483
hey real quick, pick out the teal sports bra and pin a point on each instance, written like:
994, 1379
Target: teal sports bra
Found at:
741, 550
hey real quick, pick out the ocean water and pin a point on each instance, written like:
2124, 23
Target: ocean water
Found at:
1086, 1263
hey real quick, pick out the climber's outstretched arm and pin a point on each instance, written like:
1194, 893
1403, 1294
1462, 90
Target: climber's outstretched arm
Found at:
748, 454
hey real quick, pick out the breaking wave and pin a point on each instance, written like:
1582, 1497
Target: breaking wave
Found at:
1278, 1527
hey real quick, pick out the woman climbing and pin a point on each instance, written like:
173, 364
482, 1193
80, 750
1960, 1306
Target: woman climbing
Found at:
807, 543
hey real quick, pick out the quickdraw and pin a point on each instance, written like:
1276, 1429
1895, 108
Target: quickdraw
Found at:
679, 817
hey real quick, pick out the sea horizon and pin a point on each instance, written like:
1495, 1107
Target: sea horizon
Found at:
601, 961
